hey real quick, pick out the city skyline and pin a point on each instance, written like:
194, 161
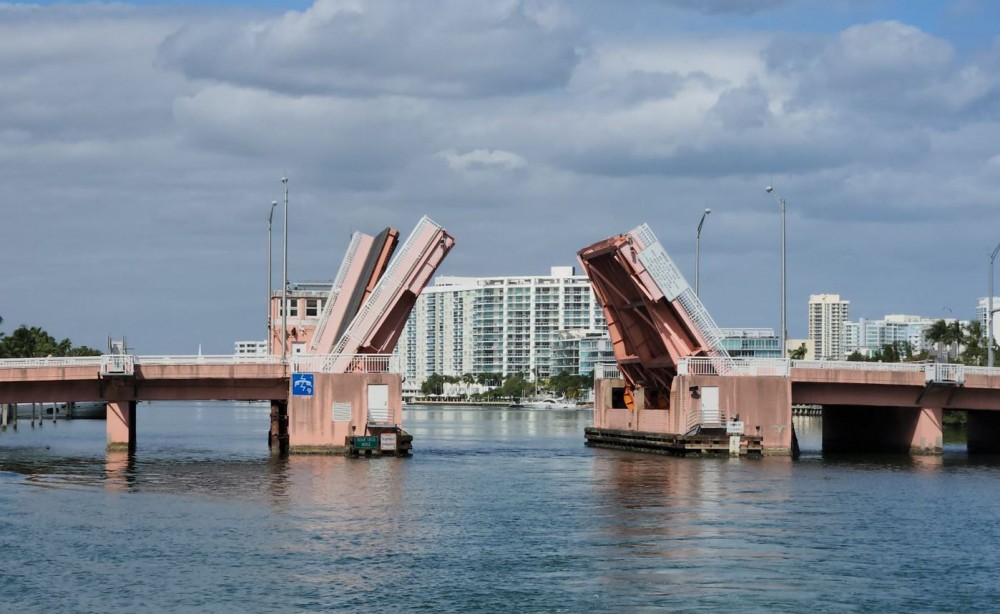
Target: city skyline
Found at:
142, 144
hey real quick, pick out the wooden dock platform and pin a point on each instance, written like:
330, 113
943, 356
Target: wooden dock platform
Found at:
702, 444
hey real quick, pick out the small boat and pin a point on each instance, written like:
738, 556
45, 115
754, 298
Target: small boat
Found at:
550, 404
96, 410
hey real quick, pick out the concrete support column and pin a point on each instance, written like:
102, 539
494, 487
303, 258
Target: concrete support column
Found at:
983, 432
927, 435
121, 425
277, 438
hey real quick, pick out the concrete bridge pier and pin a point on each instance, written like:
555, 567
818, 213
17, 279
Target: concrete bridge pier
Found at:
342, 405
983, 428
902, 430
121, 425
277, 438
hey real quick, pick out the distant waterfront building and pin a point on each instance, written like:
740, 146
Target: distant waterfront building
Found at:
251, 348
502, 325
751, 342
827, 314
869, 336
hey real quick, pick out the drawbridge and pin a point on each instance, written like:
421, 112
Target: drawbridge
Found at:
654, 318
374, 292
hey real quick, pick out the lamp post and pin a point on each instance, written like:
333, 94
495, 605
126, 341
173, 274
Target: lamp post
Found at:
697, 251
989, 311
284, 278
270, 289
784, 295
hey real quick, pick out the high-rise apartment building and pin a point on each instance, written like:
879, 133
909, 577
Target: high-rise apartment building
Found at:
827, 314
981, 314
496, 324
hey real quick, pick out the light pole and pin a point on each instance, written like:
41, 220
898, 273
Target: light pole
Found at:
989, 311
270, 290
784, 295
284, 278
697, 251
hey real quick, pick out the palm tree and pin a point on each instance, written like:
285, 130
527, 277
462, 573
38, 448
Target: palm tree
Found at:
937, 333
956, 334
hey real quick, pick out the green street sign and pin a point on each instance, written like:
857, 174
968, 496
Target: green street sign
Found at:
366, 442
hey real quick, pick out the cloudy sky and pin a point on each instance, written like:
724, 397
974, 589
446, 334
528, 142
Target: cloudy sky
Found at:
141, 145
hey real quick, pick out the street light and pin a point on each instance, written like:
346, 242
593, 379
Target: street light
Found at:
784, 295
989, 312
284, 278
270, 289
697, 251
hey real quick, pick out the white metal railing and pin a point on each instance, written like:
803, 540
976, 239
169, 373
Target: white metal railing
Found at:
399, 270
607, 371
851, 365
209, 359
355, 363
61, 361
704, 365
704, 417
124, 364
674, 286
117, 364
944, 373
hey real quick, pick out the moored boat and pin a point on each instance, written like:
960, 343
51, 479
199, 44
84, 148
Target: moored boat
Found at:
550, 404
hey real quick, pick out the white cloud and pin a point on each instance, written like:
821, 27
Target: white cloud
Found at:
397, 47
483, 159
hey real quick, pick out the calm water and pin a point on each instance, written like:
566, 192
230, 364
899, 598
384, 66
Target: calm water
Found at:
499, 510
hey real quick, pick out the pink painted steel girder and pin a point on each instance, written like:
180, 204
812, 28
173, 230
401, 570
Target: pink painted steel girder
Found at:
650, 332
364, 264
378, 324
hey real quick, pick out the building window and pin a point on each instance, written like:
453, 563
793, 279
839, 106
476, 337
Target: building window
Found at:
313, 306
293, 307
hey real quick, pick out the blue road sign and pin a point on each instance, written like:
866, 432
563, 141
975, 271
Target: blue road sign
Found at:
302, 384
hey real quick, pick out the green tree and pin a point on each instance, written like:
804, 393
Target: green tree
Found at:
434, 384
515, 385
34, 342
975, 352
799, 353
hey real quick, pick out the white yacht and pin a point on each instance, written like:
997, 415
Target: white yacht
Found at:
550, 404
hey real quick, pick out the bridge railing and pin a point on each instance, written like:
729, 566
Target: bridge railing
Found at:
944, 373
117, 364
704, 365
57, 361
851, 365
354, 363
124, 364
206, 359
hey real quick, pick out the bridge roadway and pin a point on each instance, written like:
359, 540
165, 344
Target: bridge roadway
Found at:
300, 423
189, 378
163, 378
948, 386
